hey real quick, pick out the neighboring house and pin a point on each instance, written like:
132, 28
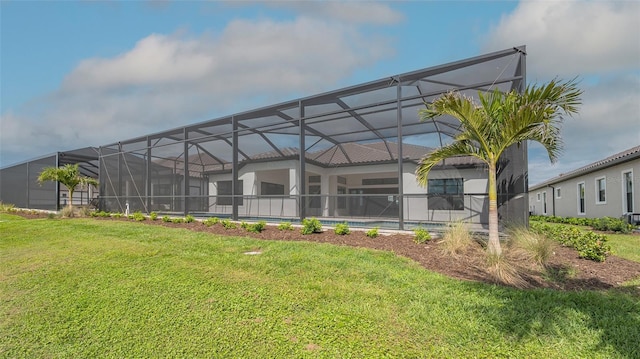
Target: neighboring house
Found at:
608, 187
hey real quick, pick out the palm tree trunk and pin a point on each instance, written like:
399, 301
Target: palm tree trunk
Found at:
70, 197
494, 238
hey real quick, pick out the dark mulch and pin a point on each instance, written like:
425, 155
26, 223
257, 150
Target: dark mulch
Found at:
565, 271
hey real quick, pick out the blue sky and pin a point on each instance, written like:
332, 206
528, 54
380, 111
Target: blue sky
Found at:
77, 74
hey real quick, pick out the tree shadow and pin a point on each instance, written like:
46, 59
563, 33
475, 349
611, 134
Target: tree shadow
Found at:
521, 314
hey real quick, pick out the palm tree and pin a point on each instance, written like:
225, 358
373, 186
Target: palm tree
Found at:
69, 175
497, 122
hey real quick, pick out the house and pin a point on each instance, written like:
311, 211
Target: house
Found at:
344, 155
605, 188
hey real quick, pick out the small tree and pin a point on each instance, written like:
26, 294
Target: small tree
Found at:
497, 121
68, 175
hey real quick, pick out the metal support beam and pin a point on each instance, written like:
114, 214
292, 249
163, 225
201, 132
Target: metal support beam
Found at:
147, 172
185, 182
235, 190
302, 168
400, 158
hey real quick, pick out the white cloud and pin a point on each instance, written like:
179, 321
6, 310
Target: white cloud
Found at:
167, 81
353, 12
600, 43
568, 38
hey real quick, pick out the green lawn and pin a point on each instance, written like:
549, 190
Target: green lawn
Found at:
92, 289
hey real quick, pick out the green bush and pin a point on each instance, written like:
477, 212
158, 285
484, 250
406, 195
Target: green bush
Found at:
244, 225
613, 225
227, 224
211, 221
189, 219
372, 233
311, 225
285, 226
166, 219
116, 215
589, 245
177, 220
6, 207
153, 216
421, 235
138, 216
256, 227
342, 229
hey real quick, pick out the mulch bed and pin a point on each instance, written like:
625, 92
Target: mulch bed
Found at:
571, 272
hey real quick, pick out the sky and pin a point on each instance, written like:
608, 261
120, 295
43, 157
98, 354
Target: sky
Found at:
85, 73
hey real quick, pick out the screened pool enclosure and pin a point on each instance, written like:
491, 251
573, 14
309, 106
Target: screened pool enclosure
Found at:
348, 154
360, 148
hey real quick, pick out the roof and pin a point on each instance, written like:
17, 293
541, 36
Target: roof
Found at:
621, 157
346, 154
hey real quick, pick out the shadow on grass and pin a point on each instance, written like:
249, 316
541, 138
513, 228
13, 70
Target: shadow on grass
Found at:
613, 314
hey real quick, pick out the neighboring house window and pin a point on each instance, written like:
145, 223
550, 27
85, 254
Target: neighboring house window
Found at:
581, 209
271, 189
601, 190
446, 194
538, 196
627, 191
558, 194
224, 193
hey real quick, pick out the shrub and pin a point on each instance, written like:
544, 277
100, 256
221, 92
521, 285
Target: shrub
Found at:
244, 225
256, 227
227, 224
311, 225
211, 221
6, 207
166, 219
372, 233
67, 212
285, 226
535, 246
421, 235
502, 270
342, 228
189, 219
153, 216
589, 245
612, 224
103, 214
177, 220
51, 215
116, 215
456, 239
138, 216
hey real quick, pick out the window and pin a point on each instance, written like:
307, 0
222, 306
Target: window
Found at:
342, 180
314, 179
544, 202
271, 189
446, 194
581, 209
224, 193
601, 189
314, 196
379, 181
627, 192
538, 196
342, 200
558, 194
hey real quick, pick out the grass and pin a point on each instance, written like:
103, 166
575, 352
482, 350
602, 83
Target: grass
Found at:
456, 238
111, 289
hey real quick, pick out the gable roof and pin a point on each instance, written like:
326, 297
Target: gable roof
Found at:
621, 157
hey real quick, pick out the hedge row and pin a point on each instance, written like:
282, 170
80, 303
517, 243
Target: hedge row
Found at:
609, 224
589, 245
